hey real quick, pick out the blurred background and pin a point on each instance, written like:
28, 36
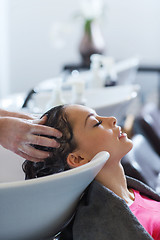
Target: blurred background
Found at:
45, 50
39, 37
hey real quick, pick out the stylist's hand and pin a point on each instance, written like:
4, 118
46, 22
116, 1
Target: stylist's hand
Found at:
16, 134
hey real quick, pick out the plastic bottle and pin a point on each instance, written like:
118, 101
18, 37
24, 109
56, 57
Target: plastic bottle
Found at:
78, 89
95, 68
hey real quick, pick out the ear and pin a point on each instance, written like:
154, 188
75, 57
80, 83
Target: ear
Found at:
75, 160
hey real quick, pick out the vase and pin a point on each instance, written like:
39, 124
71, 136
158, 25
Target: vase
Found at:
92, 41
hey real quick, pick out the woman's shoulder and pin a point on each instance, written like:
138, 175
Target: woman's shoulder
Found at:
142, 188
100, 197
97, 196
100, 212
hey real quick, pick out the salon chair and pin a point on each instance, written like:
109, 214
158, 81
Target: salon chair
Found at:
149, 125
142, 162
38, 209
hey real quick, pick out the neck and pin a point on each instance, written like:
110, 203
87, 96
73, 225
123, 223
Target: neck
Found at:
113, 177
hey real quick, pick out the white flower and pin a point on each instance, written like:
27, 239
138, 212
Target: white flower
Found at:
92, 9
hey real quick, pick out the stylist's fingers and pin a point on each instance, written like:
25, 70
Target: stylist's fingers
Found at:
43, 141
28, 157
41, 120
44, 130
32, 154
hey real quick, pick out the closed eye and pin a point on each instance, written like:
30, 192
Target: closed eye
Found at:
98, 123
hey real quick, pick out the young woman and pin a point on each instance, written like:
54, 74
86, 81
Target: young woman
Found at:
115, 207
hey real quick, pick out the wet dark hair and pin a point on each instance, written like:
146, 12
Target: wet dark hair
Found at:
56, 118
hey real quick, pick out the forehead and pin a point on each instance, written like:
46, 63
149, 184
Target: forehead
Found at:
78, 112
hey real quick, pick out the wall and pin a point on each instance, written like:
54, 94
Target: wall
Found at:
130, 28
4, 49
34, 57
133, 28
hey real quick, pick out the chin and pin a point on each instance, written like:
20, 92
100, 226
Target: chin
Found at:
127, 149
130, 146
131, 143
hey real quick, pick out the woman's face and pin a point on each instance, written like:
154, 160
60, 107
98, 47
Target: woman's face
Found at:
94, 133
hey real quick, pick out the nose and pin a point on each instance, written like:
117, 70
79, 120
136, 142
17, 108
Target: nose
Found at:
111, 121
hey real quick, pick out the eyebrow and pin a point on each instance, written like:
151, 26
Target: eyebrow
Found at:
88, 116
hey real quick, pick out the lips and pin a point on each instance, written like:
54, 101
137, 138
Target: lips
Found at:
121, 134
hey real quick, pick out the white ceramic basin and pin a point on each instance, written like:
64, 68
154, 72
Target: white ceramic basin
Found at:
112, 101
38, 208
11, 166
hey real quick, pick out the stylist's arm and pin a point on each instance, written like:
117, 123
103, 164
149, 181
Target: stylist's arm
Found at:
19, 131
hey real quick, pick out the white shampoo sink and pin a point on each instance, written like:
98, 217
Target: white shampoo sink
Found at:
37, 209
